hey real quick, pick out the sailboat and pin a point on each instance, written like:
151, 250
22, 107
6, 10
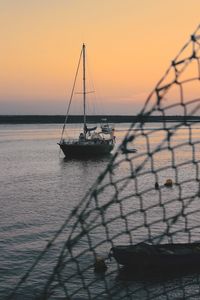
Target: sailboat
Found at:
90, 142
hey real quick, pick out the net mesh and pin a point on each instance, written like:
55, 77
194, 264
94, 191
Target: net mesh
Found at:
124, 207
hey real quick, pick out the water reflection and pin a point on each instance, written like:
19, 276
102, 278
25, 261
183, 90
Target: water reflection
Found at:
106, 158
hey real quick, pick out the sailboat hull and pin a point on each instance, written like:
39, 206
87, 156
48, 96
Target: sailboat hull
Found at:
86, 150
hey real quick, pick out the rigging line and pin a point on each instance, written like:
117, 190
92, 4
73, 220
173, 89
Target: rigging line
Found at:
91, 83
71, 96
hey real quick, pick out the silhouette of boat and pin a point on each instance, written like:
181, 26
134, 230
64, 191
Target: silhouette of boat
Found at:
145, 256
91, 141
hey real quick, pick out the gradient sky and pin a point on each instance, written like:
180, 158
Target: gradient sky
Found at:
130, 44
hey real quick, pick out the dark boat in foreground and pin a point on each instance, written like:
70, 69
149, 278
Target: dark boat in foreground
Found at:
146, 256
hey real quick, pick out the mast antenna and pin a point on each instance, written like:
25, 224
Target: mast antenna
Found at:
84, 92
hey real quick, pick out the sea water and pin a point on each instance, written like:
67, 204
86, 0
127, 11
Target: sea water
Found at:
38, 190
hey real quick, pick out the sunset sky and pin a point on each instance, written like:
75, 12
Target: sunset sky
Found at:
129, 43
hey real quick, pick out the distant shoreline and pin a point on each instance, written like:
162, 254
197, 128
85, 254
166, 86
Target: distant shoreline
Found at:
59, 119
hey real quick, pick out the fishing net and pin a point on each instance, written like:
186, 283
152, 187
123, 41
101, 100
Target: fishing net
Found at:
133, 201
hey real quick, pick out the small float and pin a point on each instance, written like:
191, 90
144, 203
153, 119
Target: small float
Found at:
168, 183
100, 265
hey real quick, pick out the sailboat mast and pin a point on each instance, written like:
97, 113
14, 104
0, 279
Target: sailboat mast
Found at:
84, 92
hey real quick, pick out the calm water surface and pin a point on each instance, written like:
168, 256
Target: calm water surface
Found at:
38, 189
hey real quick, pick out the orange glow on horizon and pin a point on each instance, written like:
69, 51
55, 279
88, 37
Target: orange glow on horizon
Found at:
129, 46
